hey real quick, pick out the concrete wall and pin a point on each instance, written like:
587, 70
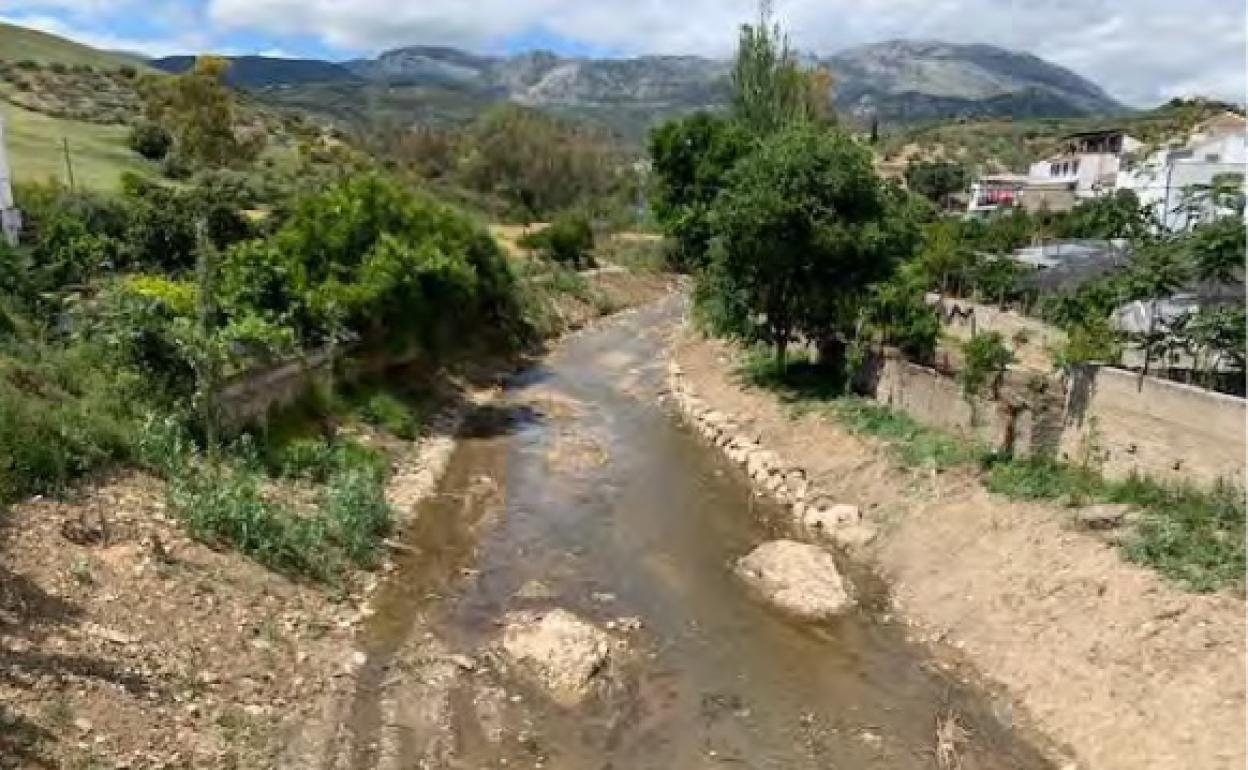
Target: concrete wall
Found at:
1162, 429
10, 220
1009, 422
250, 397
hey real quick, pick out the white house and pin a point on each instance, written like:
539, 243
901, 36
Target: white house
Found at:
1086, 166
995, 191
10, 219
1165, 179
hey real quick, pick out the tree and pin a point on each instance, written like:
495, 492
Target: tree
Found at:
802, 228
198, 110
897, 314
535, 163
770, 89
691, 157
1156, 272
986, 359
1119, 215
150, 140
936, 180
1217, 249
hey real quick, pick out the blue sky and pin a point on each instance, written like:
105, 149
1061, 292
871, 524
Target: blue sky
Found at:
1141, 51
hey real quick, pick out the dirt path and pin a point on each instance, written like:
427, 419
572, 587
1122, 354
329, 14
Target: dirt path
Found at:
1124, 669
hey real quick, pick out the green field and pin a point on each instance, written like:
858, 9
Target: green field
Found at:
20, 43
98, 154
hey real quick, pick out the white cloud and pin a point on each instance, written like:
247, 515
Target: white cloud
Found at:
104, 40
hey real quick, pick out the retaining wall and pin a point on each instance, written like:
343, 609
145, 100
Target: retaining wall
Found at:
1152, 427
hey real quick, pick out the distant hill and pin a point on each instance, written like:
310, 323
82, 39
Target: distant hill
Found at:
261, 71
900, 82
23, 44
996, 144
907, 80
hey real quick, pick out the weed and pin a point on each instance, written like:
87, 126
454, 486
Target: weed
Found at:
222, 504
915, 445
1194, 537
392, 415
80, 571
356, 512
59, 712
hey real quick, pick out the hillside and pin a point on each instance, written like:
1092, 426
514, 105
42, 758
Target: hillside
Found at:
903, 80
1010, 145
900, 81
98, 153
22, 44
260, 71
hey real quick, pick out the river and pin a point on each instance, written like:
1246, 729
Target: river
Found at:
582, 490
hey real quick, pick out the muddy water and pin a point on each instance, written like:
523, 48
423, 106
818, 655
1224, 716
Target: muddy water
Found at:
584, 492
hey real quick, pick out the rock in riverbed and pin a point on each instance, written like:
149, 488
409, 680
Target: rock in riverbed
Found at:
800, 579
561, 652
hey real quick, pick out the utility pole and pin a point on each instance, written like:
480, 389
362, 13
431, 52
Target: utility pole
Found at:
69, 164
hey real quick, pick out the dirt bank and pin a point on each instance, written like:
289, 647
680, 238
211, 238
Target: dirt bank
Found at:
123, 643
1124, 670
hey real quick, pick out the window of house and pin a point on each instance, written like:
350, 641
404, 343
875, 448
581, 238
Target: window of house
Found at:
1212, 157
1074, 167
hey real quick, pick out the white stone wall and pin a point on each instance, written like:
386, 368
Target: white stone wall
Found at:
10, 223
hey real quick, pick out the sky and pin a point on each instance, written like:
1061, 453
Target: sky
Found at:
1141, 51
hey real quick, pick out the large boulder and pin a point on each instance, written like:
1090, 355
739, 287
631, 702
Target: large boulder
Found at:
800, 579
558, 650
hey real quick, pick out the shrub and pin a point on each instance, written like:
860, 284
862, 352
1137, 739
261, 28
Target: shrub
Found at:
987, 358
223, 504
176, 166
61, 417
392, 415
150, 140
356, 511
570, 240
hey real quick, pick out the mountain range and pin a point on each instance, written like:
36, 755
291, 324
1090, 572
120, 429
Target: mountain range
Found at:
897, 82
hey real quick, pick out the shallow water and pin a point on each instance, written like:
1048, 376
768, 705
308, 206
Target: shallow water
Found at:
584, 485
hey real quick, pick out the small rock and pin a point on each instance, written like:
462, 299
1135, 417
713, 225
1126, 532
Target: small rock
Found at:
462, 662
798, 578
1101, 517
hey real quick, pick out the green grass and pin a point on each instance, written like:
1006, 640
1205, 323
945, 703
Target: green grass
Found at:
1192, 536
1195, 537
98, 153
20, 43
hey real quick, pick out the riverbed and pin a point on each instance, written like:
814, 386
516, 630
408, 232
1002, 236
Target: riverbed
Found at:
580, 489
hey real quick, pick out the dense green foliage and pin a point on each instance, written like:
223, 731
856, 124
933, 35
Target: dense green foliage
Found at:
802, 228
198, 110
987, 358
936, 180
770, 88
569, 240
692, 157
150, 140
522, 164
